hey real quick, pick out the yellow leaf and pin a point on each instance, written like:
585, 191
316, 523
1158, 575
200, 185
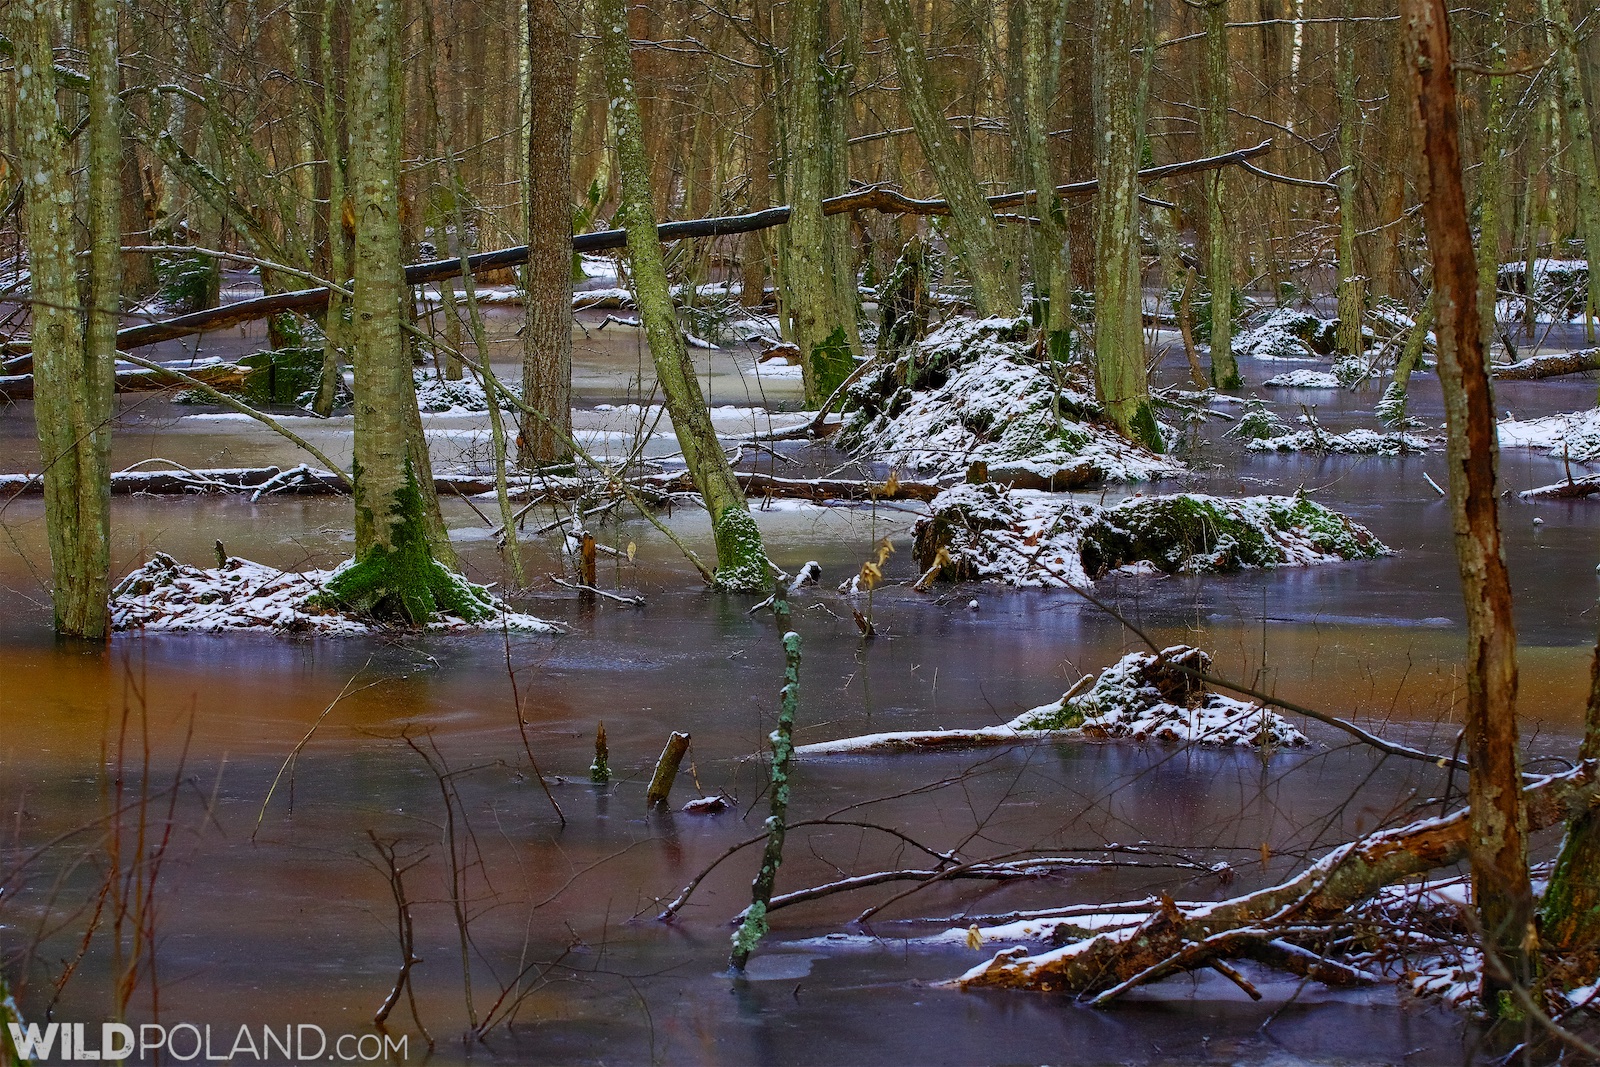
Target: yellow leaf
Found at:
974, 938
632, 548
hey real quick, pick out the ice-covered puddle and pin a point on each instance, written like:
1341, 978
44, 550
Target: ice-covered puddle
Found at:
241, 595
1144, 696
1028, 538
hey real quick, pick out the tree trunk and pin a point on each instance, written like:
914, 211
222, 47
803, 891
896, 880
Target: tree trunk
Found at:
1219, 253
821, 278
1351, 286
741, 562
72, 366
1118, 291
1491, 183
395, 574
1497, 848
1044, 25
547, 309
1569, 914
973, 233
1580, 139
335, 330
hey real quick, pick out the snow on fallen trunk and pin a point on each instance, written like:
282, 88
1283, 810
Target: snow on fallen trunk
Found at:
1303, 379
1141, 697
974, 392
1028, 538
241, 595
1574, 436
1357, 442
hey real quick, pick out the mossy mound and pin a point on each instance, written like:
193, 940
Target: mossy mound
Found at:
1040, 539
1288, 333
976, 393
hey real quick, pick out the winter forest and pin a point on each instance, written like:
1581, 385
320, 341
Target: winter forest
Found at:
799, 531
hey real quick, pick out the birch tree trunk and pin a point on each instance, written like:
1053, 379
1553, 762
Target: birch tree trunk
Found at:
73, 360
821, 277
1581, 146
395, 574
741, 562
1498, 852
1118, 316
1219, 253
547, 308
973, 232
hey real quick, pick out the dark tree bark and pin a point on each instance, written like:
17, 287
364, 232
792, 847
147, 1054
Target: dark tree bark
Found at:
1497, 848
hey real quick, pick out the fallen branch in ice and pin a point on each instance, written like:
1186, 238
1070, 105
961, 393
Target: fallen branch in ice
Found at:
1551, 366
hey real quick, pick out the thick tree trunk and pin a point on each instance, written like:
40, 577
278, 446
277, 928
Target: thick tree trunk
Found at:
1497, 849
72, 366
547, 310
741, 562
1580, 138
395, 574
974, 235
821, 277
1118, 290
1219, 252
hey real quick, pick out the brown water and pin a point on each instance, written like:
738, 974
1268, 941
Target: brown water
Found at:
288, 920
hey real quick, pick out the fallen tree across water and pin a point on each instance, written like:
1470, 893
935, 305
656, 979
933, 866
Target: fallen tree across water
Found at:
874, 198
228, 377
306, 480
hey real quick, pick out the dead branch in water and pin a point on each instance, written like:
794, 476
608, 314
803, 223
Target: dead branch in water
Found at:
1551, 366
1253, 925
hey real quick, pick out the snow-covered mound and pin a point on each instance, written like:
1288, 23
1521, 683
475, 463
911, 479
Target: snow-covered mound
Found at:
1560, 289
1574, 436
1029, 538
1161, 697
464, 396
1357, 442
1287, 334
974, 392
1143, 696
1303, 379
241, 595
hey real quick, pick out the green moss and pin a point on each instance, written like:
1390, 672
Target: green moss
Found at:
831, 363
1168, 531
742, 565
283, 375
1061, 716
401, 581
1327, 530
1145, 429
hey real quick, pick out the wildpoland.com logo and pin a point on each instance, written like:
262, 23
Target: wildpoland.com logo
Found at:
187, 1042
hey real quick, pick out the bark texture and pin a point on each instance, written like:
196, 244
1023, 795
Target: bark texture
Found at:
1497, 848
73, 357
547, 310
1219, 252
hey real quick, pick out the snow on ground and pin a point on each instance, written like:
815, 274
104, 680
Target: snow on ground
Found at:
241, 595
972, 393
1029, 538
1357, 442
1142, 697
1303, 379
1286, 334
1574, 436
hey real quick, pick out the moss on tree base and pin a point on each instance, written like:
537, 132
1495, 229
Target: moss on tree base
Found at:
742, 565
405, 585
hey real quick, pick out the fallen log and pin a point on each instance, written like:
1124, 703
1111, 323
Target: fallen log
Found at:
1571, 489
873, 198
819, 490
305, 480
1172, 939
1551, 366
227, 377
